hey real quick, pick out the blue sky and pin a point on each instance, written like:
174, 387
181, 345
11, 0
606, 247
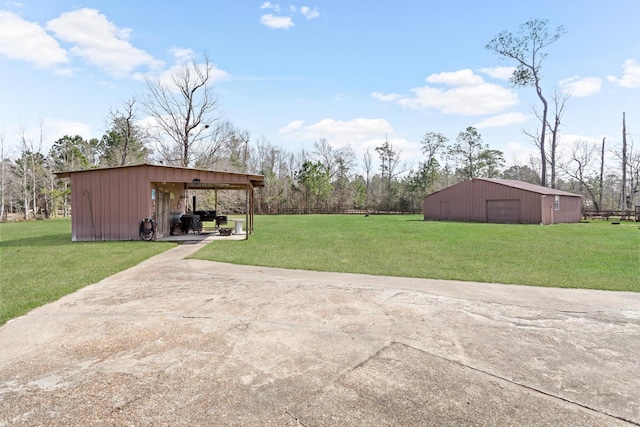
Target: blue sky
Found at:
352, 72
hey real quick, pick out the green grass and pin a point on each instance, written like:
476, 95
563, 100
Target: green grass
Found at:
40, 264
593, 256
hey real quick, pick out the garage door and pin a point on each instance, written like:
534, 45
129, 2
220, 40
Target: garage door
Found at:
503, 211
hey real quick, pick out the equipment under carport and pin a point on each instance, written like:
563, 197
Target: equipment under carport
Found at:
221, 220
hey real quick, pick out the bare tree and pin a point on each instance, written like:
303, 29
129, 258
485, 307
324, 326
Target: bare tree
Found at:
624, 163
526, 47
580, 168
3, 180
601, 176
390, 167
24, 168
221, 136
559, 101
368, 170
339, 161
184, 111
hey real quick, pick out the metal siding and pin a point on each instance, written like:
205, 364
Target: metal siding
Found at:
503, 211
546, 210
109, 203
468, 201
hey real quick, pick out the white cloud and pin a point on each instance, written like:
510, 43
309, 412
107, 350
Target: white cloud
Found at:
292, 127
28, 41
456, 78
181, 54
100, 42
178, 69
388, 98
581, 87
519, 152
502, 73
185, 60
630, 75
280, 21
352, 129
308, 13
503, 120
269, 5
468, 94
359, 133
277, 22
55, 129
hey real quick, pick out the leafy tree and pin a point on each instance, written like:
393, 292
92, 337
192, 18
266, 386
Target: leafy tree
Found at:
527, 48
340, 163
490, 162
432, 143
316, 180
125, 141
390, 167
73, 153
420, 182
521, 173
467, 152
360, 193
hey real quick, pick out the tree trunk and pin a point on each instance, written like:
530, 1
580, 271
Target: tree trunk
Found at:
624, 164
543, 158
601, 174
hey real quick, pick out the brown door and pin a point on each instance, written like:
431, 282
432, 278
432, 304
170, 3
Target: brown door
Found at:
444, 210
503, 211
163, 214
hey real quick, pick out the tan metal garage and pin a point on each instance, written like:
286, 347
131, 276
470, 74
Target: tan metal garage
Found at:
111, 203
502, 201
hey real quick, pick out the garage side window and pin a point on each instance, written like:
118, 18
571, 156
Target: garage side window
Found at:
557, 203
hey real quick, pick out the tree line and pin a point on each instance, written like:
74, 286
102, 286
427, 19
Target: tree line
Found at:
324, 179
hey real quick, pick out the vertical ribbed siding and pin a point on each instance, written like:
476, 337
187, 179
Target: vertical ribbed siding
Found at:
109, 204
467, 201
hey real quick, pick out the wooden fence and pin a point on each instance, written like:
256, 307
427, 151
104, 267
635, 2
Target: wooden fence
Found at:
627, 215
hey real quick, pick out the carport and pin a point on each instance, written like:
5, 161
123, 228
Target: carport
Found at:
112, 203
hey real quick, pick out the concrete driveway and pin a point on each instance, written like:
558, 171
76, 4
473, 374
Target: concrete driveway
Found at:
181, 342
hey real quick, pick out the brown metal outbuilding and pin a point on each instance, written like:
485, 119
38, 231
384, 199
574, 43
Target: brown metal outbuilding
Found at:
502, 201
110, 203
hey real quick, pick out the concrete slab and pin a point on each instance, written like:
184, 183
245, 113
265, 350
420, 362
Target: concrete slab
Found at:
176, 341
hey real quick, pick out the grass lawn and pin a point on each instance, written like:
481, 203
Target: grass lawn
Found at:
594, 255
40, 264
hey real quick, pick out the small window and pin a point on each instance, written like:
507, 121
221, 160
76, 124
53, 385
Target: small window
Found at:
557, 203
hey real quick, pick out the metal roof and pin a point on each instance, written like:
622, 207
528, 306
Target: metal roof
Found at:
207, 179
529, 187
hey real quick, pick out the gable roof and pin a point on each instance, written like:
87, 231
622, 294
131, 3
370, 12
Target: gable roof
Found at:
529, 187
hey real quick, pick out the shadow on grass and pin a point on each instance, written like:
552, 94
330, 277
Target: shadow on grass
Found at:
48, 240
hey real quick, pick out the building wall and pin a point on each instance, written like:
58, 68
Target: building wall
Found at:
468, 201
570, 209
108, 204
